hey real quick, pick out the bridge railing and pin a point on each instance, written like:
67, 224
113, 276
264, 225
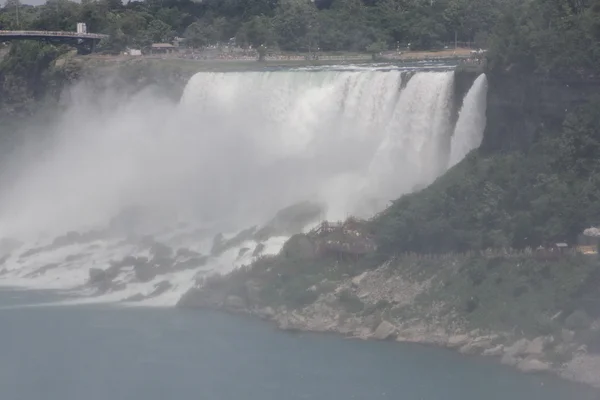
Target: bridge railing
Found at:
54, 34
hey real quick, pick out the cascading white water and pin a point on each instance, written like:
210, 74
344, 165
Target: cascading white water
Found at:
237, 148
468, 132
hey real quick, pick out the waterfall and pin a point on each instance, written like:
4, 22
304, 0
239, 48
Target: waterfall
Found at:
468, 133
233, 151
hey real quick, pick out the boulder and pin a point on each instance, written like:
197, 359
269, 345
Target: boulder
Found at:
265, 313
494, 351
518, 348
475, 346
235, 302
252, 291
536, 346
291, 321
97, 275
567, 335
291, 220
299, 247
358, 279
532, 364
457, 341
384, 331
507, 359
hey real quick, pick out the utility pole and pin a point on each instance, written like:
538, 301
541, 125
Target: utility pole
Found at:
455, 40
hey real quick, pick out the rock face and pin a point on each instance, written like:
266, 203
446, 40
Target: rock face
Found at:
531, 364
458, 341
384, 331
299, 247
370, 305
291, 220
517, 349
494, 351
536, 346
517, 106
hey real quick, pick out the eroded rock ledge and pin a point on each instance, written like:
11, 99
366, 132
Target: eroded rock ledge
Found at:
382, 304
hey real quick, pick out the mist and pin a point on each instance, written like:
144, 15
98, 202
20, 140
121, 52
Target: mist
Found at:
236, 148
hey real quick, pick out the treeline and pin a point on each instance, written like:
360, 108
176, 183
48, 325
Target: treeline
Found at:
289, 25
543, 36
551, 37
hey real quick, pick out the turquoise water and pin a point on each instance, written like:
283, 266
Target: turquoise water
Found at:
106, 353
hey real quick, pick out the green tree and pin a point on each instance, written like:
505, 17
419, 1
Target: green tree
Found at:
294, 22
159, 32
257, 31
197, 35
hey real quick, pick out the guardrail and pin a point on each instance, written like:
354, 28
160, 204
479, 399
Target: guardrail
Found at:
54, 34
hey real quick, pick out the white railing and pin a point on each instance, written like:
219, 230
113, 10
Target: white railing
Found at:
54, 34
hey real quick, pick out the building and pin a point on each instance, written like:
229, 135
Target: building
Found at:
162, 48
81, 27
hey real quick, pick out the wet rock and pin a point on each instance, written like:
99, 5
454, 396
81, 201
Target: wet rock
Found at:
243, 251
457, 341
200, 298
220, 244
508, 359
291, 220
253, 290
290, 321
235, 302
258, 250
160, 251
358, 279
532, 364
136, 297
299, 247
160, 288
74, 257
567, 335
475, 346
186, 253
494, 351
583, 368
536, 346
42, 270
190, 263
384, 331
144, 272
96, 275
578, 320
265, 313
517, 349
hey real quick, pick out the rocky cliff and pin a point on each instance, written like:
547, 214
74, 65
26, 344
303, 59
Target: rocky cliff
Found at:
399, 301
521, 107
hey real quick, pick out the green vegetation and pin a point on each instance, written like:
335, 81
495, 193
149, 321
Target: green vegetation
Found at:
25, 73
289, 25
552, 37
545, 194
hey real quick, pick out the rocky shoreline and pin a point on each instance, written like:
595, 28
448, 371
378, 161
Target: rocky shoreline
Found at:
556, 354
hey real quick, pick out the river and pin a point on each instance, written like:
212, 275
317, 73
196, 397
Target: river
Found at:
107, 352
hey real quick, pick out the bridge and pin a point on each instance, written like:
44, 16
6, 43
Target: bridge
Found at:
84, 42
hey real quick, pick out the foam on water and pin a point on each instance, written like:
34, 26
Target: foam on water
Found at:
236, 149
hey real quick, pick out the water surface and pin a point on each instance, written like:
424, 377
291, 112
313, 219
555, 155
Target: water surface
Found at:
108, 353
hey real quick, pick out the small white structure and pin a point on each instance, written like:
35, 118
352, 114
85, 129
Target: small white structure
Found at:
81, 27
134, 52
